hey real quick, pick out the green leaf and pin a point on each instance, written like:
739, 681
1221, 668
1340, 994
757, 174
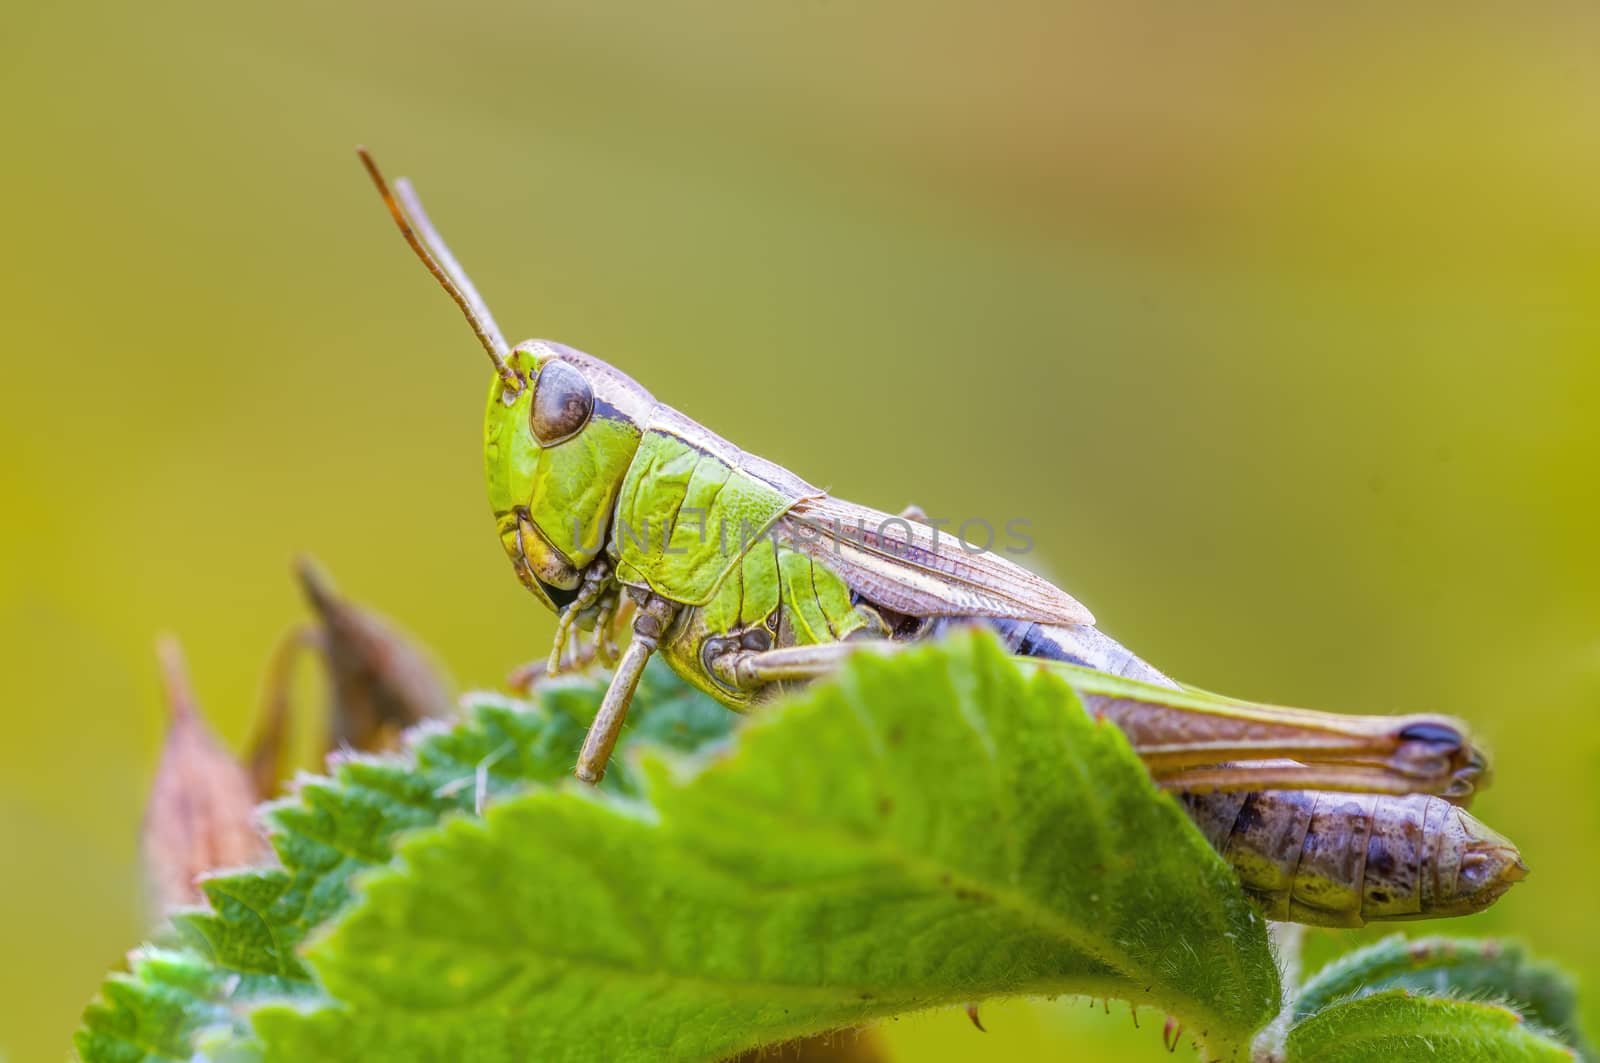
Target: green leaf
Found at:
1396, 1025
155, 1011
1459, 967
935, 828
335, 827
244, 949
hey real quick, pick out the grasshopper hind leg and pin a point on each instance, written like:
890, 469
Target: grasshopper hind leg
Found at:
748, 669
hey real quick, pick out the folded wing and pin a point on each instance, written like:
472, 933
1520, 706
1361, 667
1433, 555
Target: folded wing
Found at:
911, 568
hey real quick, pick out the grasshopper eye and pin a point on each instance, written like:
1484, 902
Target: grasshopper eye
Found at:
562, 403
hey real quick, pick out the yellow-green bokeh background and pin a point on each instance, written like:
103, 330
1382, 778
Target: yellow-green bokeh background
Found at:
1280, 325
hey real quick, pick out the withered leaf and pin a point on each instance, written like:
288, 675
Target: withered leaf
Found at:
201, 811
381, 683
269, 747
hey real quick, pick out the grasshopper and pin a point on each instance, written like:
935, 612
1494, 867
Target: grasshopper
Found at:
746, 578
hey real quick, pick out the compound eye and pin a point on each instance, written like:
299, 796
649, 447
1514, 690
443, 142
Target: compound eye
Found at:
562, 403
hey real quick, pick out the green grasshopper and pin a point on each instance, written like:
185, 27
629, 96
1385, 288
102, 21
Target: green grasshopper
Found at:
745, 578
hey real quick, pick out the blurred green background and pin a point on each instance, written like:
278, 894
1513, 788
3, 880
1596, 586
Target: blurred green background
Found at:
1281, 326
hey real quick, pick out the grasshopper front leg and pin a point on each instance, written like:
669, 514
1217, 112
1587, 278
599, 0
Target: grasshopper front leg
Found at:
655, 616
613, 613
597, 589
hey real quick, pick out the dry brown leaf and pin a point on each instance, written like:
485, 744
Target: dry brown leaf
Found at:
269, 748
201, 812
381, 683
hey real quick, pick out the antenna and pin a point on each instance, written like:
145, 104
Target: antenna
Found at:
406, 209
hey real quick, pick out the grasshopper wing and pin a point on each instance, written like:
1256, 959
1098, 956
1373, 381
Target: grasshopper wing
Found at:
914, 569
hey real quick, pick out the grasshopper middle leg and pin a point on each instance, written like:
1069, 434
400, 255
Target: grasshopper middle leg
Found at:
655, 616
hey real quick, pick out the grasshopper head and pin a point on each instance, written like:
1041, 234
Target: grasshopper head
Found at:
559, 432
556, 450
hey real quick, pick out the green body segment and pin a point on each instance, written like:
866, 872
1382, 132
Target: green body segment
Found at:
776, 596
747, 597
801, 602
816, 601
692, 525
685, 516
